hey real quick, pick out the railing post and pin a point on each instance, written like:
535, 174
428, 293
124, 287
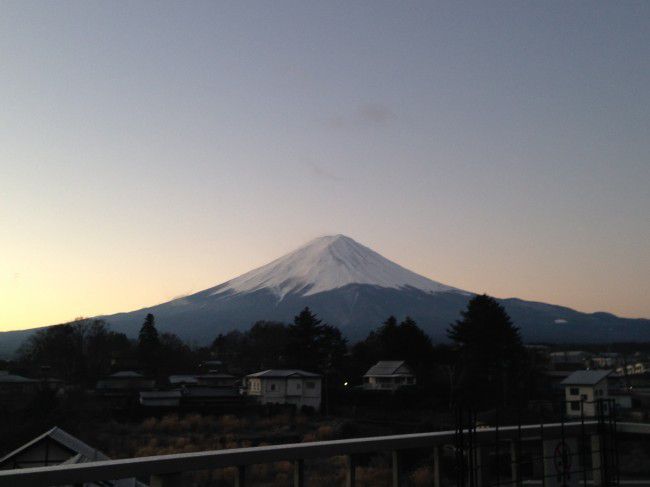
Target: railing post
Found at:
514, 463
299, 473
436, 466
482, 466
596, 463
240, 476
397, 468
166, 480
351, 472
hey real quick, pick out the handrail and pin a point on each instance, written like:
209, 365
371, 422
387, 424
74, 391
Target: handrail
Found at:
204, 460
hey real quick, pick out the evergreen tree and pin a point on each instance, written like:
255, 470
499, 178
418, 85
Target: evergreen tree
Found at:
491, 353
312, 345
148, 345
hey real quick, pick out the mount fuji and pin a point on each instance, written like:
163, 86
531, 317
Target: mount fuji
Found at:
356, 289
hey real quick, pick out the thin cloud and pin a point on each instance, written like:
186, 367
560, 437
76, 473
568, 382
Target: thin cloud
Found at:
365, 115
324, 174
375, 113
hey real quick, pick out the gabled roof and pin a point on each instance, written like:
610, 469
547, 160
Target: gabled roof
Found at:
216, 375
15, 379
208, 392
179, 379
283, 373
586, 377
126, 374
173, 394
389, 367
80, 453
75, 445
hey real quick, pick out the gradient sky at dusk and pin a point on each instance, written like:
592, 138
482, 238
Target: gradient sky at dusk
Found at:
152, 149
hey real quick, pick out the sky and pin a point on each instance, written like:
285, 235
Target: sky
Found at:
153, 149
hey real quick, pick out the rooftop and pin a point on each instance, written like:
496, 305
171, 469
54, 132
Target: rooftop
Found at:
586, 377
283, 373
388, 367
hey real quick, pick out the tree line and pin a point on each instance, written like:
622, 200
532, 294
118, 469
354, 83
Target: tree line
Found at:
485, 360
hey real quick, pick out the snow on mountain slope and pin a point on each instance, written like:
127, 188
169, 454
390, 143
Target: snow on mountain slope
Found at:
328, 263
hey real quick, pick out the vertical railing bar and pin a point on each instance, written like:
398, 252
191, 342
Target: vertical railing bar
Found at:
616, 459
583, 445
240, 476
396, 468
496, 436
470, 450
519, 448
299, 473
541, 434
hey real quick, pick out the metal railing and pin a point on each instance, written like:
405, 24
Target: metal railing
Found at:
166, 470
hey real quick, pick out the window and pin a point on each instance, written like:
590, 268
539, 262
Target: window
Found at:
310, 385
583, 397
272, 387
574, 391
575, 406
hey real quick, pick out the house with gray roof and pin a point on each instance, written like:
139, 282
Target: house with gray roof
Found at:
16, 384
388, 375
285, 386
583, 390
57, 447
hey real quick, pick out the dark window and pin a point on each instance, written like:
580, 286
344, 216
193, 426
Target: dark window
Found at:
575, 406
574, 391
310, 385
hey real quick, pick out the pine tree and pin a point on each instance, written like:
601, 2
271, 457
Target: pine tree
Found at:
312, 345
491, 352
148, 344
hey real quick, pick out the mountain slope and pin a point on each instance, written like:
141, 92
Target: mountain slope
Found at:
355, 288
328, 263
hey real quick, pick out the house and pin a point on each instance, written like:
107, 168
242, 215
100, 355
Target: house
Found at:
192, 398
16, 384
56, 447
183, 380
605, 360
125, 381
388, 375
583, 389
568, 360
217, 379
280, 386
161, 399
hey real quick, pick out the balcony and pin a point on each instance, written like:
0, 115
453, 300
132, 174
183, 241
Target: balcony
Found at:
591, 465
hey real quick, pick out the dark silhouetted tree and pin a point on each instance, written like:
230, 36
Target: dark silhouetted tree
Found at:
491, 354
312, 345
149, 345
81, 351
391, 341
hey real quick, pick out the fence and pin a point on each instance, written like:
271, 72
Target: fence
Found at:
572, 452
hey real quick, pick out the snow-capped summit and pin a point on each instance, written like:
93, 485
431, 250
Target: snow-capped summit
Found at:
328, 263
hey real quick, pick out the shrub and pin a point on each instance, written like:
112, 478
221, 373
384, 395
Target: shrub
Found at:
423, 476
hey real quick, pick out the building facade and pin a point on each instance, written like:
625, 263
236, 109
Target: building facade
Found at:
388, 375
281, 386
583, 389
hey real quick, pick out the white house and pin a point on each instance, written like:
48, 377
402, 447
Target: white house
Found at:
388, 375
280, 386
582, 390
